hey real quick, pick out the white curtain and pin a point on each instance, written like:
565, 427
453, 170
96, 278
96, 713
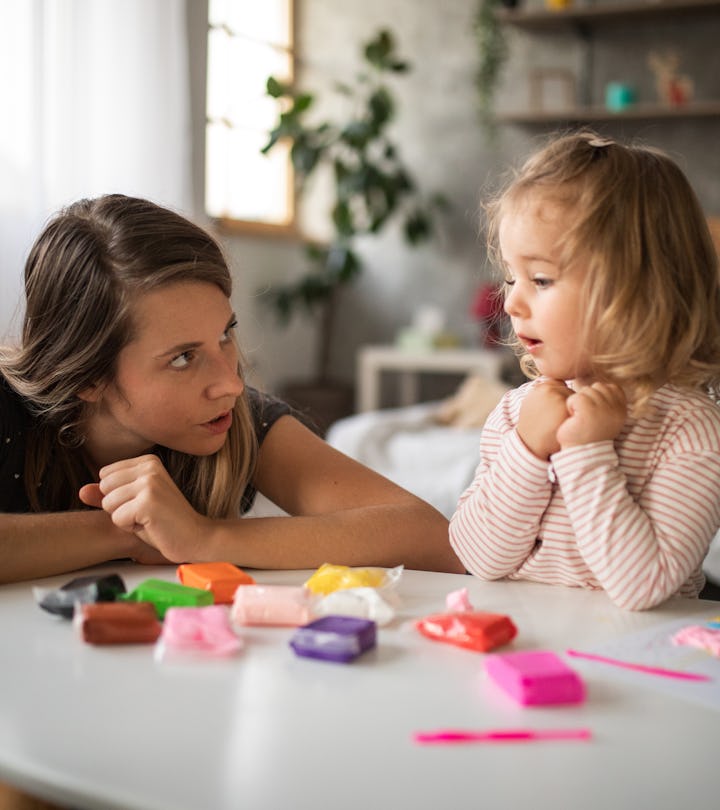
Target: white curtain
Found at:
94, 98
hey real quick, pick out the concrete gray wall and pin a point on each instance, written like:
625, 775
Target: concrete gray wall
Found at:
444, 146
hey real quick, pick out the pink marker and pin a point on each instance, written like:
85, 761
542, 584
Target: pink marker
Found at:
451, 736
664, 673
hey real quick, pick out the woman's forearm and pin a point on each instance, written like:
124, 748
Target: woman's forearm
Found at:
410, 533
39, 545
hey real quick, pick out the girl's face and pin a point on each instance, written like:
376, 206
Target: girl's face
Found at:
177, 381
543, 300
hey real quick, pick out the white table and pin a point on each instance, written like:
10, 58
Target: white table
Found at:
112, 728
409, 363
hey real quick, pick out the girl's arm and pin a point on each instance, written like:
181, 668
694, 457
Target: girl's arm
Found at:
340, 512
40, 545
497, 522
642, 547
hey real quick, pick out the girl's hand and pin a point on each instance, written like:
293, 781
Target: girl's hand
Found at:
596, 413
542, 412
141, 498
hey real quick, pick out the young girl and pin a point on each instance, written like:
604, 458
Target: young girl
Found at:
604, 471
126, 394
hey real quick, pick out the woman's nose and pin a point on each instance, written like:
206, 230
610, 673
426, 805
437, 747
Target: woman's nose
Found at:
226, 379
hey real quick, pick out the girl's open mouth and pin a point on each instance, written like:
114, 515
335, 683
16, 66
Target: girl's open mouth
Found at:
530, 343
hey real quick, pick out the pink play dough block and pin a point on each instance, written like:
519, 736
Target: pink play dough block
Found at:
535, 677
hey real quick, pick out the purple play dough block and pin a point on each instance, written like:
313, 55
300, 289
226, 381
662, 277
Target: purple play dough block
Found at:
334, 638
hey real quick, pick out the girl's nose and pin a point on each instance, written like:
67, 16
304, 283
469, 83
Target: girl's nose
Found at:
514, 304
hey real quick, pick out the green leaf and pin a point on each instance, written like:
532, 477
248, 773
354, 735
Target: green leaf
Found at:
343, 219
417, 227
303, 102
356, 134
370, 186
381, 107
275, 88
379, 51
304, 155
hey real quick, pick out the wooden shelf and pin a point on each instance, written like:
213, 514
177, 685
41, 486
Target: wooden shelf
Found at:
610, 13
696, 109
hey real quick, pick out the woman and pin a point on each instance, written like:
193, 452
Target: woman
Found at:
127, 395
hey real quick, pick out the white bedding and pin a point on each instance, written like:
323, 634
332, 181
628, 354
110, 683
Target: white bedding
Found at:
405, 445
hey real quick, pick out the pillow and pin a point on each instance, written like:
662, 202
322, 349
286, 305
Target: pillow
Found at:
472, 403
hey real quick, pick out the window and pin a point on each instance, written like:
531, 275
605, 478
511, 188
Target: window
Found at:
247, 42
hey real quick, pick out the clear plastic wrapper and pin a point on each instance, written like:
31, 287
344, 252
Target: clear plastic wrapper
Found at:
82, 590
117, 623
165, 595
329, 578
280, 605
203, 631
222, 578
335, 638
472, 630
363, 603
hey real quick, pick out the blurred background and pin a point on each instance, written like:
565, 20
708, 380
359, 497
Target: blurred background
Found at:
166, 99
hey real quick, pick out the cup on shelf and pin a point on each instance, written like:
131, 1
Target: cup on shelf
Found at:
619, 96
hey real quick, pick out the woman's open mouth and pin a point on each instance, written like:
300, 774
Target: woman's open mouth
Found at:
220, 423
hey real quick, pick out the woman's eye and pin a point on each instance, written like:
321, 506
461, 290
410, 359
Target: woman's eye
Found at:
227, 334
182, 360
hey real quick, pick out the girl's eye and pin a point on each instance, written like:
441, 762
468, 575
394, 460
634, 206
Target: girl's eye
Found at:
182, 360
543, 282
508, 282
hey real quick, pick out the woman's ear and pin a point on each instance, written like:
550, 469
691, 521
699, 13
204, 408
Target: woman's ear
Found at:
91, 394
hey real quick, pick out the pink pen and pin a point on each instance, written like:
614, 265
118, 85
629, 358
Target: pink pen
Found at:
664, 673
449, 736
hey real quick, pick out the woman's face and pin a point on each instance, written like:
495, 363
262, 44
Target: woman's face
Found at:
177, 381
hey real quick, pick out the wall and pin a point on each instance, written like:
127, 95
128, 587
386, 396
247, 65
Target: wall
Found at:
445, 148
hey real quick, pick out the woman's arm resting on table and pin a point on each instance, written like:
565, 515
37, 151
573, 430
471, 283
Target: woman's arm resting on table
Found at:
40, 545
340, 512
345, 513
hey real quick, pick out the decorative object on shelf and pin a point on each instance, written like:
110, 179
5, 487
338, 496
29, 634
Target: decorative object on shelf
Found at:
558, 5
581, 20
619, 96
427, 331
371, 189
487, 309
493, 53
673, 89
552, 89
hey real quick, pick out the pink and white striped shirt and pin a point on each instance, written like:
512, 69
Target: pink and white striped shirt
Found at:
634, 516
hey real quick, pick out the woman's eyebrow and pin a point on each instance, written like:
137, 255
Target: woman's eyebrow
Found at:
195, 344
180, 348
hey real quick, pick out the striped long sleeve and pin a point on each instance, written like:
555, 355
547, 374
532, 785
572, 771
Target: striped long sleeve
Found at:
634, 516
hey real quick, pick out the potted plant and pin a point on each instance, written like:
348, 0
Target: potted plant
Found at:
371, 189
492, 54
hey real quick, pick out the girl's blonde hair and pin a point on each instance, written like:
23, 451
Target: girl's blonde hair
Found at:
83, 273
652, 290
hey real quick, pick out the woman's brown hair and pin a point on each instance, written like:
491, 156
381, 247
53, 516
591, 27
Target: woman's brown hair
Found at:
84, 271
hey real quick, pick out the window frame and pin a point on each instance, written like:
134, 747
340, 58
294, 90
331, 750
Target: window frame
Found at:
249, 227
